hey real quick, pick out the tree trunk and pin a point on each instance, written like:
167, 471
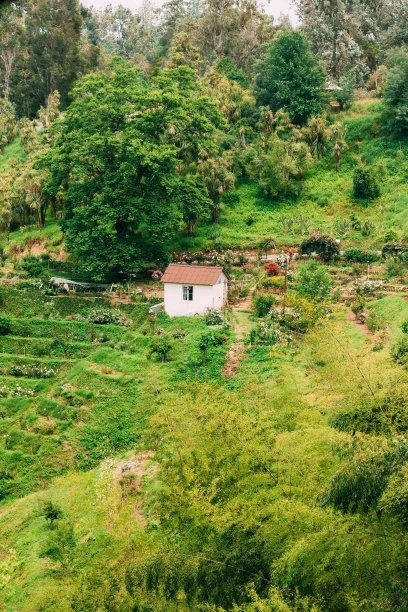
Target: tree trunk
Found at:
191, 225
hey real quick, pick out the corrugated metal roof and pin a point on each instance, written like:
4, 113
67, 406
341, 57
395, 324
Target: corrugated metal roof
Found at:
192, 275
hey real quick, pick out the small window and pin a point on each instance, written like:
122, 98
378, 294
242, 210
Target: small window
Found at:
188, 293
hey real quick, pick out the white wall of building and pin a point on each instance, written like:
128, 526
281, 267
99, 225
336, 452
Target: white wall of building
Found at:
204, 297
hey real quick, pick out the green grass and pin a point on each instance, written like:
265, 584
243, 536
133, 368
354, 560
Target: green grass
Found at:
11, 151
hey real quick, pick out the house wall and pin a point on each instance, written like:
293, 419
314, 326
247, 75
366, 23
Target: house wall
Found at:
204, 297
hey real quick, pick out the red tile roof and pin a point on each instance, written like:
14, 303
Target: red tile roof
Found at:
192, 275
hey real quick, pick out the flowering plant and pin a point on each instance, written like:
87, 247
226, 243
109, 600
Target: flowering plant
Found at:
156, 274
366, 287
30, 371
178, 333
272, 269
213, 317
267, 332
323, 244
6, 391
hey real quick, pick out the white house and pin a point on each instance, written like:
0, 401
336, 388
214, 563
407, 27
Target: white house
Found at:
190, 290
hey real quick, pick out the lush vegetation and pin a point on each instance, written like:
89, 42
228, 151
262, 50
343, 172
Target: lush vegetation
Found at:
254, 458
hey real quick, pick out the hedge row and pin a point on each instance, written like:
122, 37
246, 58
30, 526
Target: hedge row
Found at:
30, 301
67, 331
20, 360
43, 347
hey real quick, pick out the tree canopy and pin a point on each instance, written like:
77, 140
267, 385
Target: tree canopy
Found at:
122, 158
290, 78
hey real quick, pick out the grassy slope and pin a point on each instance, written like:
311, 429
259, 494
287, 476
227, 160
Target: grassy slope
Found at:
288, 392
326, 197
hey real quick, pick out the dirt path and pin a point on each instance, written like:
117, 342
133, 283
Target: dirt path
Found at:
352, 319
236, 352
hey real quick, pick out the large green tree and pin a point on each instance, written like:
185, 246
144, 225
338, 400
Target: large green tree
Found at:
396, 91
290, 78
123, 157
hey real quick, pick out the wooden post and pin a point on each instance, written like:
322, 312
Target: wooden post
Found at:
285, 285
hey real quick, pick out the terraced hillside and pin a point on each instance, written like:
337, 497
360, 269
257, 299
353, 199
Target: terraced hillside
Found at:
72, 392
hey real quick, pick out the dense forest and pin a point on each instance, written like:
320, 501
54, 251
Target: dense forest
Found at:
253, 459
145, 123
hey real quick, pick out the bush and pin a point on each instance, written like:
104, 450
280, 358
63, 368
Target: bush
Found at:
162, 345
231, 198
5, 325
399, 350
211, 338
395, 267
375, 322
272, 269
365, 185
208, 339
384, 413
30, 371
267, 332
367, 287
322, 244
32, 266
395, 95
358, 307
213, 317
263, 303
303, 313
357, 255
313, 281
51, 512
394, 248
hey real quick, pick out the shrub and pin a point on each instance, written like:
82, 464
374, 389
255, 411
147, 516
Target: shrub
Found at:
104, 317
208, 339
267, 332
162, 345
383, 413
30, 371
5, 325
178, 333
358, 307
272, 269
231, 198
375, 322
399, 350
394, 248
32, 266
357, 255
304, 313
313, 281
51, 512
323, 244
263, 303
213, 317
395, 95
395, 267
367, 287
365, 185
274, 282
